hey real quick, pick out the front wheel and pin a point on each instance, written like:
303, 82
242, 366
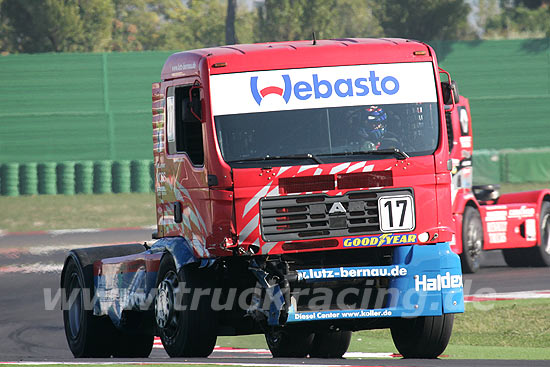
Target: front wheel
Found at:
472, 240
330, 344
422, 337
187, 326
289, 343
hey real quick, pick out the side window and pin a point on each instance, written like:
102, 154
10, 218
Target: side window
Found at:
184, 128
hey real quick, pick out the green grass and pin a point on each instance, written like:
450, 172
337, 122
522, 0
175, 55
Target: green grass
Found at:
490, 330
47, 212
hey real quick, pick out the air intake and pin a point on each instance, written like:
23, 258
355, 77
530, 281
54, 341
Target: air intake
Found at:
365, 179
306, 184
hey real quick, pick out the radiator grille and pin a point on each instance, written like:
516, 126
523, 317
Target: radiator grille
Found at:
320, 216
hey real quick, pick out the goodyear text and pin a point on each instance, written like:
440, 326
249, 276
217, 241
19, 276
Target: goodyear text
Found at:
380, 240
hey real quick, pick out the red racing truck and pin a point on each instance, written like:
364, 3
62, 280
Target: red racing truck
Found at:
516, 223
303, 191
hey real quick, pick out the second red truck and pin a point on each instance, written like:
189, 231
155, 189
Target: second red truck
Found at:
516, 223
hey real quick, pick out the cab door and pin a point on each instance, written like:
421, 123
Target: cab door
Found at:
185, 201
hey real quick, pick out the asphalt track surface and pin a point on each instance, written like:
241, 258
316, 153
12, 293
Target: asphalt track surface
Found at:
30, 265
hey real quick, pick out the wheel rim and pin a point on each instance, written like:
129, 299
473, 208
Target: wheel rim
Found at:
545, 233
165, 314
474, 242
75, 307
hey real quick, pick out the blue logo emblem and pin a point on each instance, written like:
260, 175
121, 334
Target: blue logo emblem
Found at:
319, 88
259, 95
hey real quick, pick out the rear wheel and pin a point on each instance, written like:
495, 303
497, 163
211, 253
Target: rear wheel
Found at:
472, 240
289, 343
330, 344
186, 327
541, 253
422, 337
87, 335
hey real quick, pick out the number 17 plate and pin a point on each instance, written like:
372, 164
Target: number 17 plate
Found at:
396, 213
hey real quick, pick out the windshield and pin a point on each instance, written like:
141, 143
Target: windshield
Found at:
326, 132
326, 114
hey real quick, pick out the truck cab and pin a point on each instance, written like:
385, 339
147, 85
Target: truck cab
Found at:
308, 184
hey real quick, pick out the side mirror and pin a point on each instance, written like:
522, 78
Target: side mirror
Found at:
195, 104
450, 92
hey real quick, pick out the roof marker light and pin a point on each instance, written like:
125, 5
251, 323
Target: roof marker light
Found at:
219, 65
419, 53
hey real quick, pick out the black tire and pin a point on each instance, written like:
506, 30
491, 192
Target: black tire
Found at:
184, 332
289, 343
540, 254
330, 344
422, 337
472, 240
87, 335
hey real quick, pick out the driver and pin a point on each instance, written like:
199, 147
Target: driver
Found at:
372, 127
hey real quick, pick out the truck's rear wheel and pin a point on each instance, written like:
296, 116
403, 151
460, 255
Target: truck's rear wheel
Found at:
186, 328
87, 335
422, 337
472, 240
289, 343
330, 344
541, 254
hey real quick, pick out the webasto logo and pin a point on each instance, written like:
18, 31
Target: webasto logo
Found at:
319, 88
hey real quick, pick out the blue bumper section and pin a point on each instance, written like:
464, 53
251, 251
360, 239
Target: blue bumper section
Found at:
425, 280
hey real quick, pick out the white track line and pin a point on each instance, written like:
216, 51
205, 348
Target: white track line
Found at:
265, 352
59, 232
507, 296
39, 250
133, 363
36, 268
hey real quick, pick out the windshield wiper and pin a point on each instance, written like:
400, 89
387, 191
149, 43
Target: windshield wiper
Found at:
392, 151
275, 157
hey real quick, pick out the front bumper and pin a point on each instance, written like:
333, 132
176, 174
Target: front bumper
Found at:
424, 280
